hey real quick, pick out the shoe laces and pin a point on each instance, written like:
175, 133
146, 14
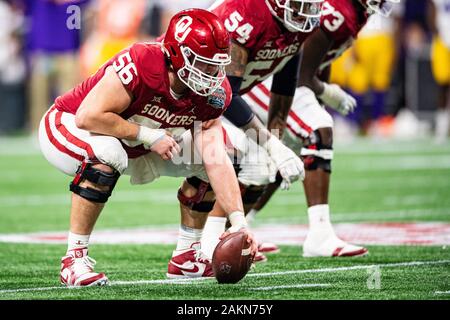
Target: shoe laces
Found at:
84, 265
201, 257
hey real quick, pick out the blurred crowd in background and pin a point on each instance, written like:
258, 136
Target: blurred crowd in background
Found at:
48, 46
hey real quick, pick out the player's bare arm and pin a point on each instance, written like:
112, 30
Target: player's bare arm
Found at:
315, 49
218, 166
99, 113
236, 69
220, 171
278, 112
239, 60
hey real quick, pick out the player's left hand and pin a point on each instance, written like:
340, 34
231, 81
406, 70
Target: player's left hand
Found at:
336, 98
250, 237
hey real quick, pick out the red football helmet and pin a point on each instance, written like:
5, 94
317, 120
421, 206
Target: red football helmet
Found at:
198, 46
383, 7
297, 15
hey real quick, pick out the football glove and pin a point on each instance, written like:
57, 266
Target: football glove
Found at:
336, 98
287, 162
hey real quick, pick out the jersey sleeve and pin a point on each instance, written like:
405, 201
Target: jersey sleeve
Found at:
244, 20
338, 20
140, 67
126, 66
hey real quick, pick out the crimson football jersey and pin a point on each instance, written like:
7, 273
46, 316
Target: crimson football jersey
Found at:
269, 45
143, 71
341, 22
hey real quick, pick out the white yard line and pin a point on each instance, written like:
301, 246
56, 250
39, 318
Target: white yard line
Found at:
296, 286
358, 216
358, 267
267, 274
442, 292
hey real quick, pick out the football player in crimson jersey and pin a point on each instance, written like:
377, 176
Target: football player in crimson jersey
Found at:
309, 125
126, 119
266, 40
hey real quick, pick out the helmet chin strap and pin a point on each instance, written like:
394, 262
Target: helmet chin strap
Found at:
177, 87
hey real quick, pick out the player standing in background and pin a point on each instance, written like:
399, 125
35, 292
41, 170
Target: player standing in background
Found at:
440, 60
366, 70
126, 119
310, 126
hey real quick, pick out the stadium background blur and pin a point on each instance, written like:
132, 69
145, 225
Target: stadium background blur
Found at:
48, 46
390, 188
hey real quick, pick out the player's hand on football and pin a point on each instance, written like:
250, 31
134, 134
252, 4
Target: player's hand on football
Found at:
250, 238
166, 147
336, 98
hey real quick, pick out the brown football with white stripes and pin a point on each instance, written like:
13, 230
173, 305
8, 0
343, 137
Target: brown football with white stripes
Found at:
232, 258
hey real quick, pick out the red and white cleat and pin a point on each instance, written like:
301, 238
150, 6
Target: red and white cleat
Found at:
189, 263
332, 246
77, 270
267, 247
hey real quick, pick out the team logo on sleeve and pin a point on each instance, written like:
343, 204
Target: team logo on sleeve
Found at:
217, 99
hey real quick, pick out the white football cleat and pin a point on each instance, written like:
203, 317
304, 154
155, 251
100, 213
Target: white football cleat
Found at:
331, 246
189, 263
77, 270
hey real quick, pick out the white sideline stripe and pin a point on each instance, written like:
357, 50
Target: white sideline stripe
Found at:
361, 216
359, 267
267, 274
442, 292
305, 285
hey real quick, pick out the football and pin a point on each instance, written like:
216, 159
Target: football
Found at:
231, 258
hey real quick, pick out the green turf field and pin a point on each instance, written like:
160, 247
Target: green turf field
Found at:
372, 182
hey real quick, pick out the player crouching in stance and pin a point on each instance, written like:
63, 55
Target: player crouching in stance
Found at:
126, 119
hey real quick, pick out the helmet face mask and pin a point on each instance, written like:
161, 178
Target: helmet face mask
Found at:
297, 15
198, 47
203, 75
381, 7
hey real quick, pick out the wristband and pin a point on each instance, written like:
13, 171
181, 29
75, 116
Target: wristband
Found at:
237, 220
149, 136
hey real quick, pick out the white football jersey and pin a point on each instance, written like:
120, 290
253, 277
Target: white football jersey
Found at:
443, 20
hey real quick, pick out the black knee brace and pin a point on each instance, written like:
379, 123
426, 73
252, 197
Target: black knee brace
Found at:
314, 163
318, 143
197, 202
251, 194
101, 178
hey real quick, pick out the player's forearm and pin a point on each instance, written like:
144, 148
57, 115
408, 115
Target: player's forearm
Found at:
107, 123
278, 113
225, 185
218, 166
313, 83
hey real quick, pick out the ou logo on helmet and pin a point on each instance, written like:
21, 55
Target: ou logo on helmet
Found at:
182, 28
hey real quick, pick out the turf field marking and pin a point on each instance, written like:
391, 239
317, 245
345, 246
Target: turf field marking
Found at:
267, 274
357, 267
114, 283
388, 233
35, 289
305, 285
442, 292
363, 216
